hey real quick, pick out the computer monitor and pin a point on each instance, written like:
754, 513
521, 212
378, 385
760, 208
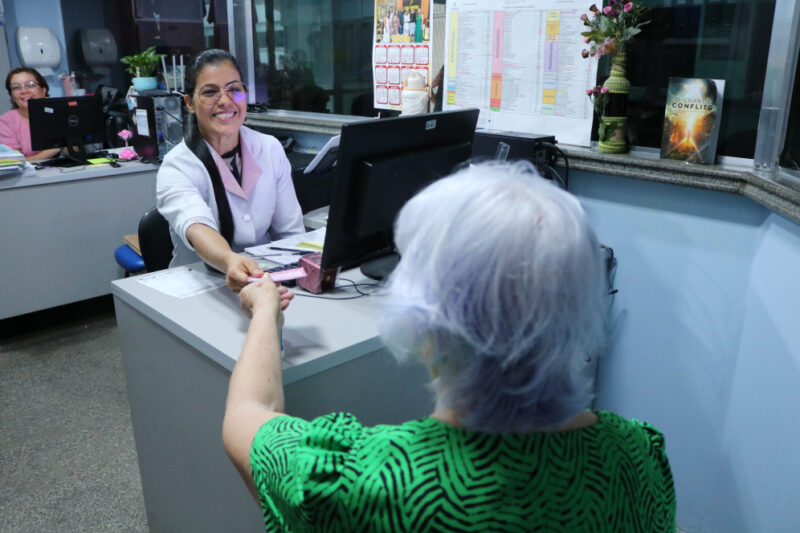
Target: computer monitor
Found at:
381, 165
71, 121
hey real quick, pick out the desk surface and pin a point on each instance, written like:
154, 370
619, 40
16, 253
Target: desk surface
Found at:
178, 355
60, 175
313, 327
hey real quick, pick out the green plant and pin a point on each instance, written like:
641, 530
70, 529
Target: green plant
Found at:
143, 64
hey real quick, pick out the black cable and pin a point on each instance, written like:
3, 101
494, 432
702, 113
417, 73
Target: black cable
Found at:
173, 116
559, 151
355, 285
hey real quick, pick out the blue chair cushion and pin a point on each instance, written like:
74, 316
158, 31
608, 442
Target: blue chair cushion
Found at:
128, 259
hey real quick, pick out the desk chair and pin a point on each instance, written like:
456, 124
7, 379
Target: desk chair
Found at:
129, 260
154, 240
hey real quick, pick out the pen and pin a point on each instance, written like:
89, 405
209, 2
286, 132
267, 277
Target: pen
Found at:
293, 250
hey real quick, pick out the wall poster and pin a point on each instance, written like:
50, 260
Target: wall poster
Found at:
401, 45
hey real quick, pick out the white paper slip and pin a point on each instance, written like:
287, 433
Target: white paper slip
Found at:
312, 240
181, 282
283, 259
332, 144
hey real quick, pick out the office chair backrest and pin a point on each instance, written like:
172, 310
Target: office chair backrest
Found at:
154, 240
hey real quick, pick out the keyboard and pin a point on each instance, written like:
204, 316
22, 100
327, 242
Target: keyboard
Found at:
67, 162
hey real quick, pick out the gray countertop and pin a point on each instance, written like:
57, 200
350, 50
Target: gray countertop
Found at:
782, 198
35, 178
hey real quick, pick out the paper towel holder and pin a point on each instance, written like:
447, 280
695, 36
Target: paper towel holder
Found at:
98, 46
38, 47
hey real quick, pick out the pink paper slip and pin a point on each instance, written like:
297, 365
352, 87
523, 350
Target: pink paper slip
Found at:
283, 275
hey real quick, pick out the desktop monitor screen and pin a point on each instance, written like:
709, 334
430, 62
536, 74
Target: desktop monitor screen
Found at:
381, 165
66, 121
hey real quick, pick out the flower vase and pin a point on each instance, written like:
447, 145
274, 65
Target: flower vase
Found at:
614, 120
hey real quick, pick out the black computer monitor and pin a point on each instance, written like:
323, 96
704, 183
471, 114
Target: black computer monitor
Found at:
71, 121
381, 165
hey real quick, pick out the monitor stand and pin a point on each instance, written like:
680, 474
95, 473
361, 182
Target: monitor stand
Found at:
380, 267
75, 149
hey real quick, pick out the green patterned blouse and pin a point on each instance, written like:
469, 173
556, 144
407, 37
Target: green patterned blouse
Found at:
333, 474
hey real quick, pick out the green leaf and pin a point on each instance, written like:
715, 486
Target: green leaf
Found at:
602, 133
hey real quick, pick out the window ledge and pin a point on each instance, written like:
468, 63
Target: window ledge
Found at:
773, 192
781, 197
306, 122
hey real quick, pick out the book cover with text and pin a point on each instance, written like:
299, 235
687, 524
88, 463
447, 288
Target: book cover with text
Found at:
691, 120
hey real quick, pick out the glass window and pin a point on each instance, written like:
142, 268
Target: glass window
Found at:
174, 27
719, 39
314, 55
790, 158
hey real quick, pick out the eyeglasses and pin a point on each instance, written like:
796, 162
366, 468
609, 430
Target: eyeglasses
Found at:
237, 92
30, 84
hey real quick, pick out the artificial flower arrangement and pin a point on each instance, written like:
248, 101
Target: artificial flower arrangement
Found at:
609, 29
127, 154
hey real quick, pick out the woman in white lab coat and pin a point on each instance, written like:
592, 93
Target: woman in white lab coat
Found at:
225, 187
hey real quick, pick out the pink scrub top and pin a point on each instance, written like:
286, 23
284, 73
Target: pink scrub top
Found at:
15, 132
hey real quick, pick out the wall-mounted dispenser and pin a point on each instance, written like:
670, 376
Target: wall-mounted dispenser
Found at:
38, 48
98, 46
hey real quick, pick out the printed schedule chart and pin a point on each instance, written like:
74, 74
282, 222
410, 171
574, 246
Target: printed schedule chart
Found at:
520, 63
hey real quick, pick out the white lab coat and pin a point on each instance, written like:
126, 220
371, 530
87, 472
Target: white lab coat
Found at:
264, 207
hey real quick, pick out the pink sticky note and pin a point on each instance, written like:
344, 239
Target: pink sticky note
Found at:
283, 275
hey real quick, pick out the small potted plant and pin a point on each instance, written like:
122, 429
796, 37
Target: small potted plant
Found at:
142, 66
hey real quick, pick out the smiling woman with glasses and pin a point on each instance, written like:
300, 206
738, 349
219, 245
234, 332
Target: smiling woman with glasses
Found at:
23, 84
225, 187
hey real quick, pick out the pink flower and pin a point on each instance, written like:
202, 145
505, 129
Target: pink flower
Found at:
127, 154
614, 13
612, 2
585, 53
592, 53
589, 92
604, 90
586, 40
584, 17
607, 10
593, 8
628, 6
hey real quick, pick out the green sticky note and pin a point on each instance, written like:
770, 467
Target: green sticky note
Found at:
99, 160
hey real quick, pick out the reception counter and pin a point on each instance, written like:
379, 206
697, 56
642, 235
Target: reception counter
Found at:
178, 355
60, 228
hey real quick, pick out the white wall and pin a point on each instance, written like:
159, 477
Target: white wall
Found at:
5, 64
707, 347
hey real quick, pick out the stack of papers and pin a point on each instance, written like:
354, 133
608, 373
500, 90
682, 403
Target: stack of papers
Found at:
284, 250
12, 162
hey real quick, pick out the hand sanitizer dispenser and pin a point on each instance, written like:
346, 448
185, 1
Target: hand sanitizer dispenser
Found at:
38, 48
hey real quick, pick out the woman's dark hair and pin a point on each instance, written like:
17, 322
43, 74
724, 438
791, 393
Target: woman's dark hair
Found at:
26, 70
194, 140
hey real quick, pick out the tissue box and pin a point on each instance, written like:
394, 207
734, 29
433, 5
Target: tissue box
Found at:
316, 280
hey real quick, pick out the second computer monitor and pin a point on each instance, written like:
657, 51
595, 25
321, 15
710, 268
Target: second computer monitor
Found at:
381, 165
69, 121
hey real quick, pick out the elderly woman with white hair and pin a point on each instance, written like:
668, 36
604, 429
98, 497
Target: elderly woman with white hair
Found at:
502, 292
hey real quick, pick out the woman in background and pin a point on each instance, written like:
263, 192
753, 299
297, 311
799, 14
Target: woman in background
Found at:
224, 187
23, 84
507, 323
